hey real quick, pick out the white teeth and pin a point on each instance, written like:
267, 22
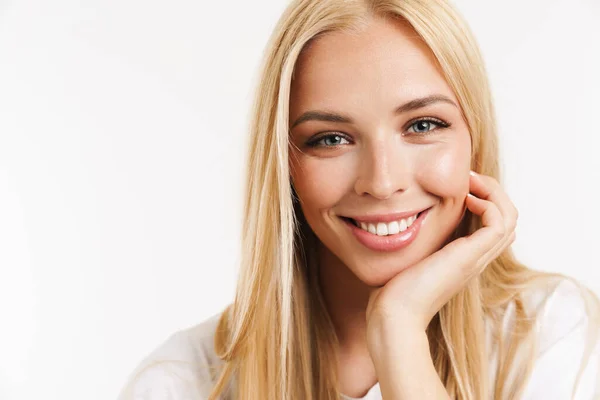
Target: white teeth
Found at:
372, 229
382, 229
403, 225
392, 228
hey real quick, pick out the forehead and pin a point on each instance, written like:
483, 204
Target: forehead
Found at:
385, 63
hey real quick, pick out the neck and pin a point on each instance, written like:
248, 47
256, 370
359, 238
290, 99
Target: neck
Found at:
346, 298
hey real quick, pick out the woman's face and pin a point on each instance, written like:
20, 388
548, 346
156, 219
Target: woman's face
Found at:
377, 137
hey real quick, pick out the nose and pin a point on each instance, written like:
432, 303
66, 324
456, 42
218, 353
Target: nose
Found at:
383, 169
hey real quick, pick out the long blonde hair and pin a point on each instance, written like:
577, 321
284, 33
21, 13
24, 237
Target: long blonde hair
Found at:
276, 338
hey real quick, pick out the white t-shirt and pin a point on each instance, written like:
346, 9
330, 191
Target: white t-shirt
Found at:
179, 368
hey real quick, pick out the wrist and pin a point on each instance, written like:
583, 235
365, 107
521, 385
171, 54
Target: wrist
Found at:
394, 340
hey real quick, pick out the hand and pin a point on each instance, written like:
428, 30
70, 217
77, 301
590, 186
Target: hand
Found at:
411, 299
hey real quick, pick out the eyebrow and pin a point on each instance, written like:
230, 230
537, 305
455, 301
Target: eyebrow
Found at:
412, 105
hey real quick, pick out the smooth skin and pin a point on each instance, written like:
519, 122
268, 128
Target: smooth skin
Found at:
398, 142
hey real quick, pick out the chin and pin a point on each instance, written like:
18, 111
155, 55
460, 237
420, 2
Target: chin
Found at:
376, 273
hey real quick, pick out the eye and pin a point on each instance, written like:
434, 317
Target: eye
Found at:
329, 140
426, 125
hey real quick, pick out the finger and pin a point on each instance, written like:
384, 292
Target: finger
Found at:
493, 233
488, 188
492, 255
477, 205
488, 211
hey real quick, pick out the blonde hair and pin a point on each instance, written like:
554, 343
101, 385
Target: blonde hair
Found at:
276, 338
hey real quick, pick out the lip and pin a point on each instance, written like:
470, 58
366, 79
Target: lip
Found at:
390, 242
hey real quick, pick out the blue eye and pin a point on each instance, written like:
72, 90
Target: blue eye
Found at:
331, 140
424, 126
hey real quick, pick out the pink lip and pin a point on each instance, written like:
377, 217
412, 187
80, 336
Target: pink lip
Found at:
389, 242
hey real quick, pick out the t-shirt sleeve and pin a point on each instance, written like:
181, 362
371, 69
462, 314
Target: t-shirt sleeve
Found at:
165, 381
565, 330
179, 369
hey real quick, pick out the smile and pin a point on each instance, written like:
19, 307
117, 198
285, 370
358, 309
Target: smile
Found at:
387, 233
389, 228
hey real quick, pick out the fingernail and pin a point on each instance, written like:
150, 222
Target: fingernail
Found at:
472, 173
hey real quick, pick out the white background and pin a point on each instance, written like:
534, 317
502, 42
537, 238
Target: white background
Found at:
122, 134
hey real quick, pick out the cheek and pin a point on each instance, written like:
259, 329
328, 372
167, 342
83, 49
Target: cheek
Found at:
444, 170
319, 184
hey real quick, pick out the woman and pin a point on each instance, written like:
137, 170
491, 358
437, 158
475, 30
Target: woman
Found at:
376, 256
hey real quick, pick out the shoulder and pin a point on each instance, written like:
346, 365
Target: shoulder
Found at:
183, 367
568, 341
562, 309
